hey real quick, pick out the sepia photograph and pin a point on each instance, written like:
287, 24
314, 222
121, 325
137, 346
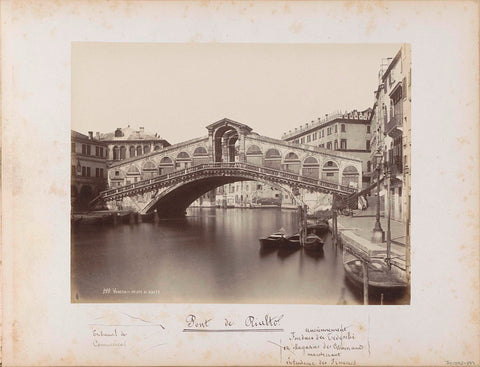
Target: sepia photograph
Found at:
240, 183
240, 173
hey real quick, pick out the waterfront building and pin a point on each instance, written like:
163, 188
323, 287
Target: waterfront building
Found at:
391, 127
89, 169
345, 132
124, 143
248, 194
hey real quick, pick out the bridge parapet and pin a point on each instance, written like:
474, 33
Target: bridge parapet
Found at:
227, 169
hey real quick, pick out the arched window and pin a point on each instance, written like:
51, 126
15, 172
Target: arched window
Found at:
272, 153
253, 150
292, 163
330, 172
254, 155
311, 168
199, 151
116, 154
350, 176
273, 159
132, 151
148, 170
146, 149
200, 156
123, 151
183, 160
157, 147
139, 151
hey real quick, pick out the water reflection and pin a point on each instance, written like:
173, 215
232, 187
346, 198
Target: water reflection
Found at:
210, 256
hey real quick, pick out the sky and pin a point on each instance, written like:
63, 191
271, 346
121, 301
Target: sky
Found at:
176, 90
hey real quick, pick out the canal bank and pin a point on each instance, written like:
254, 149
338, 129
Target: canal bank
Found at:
368, 264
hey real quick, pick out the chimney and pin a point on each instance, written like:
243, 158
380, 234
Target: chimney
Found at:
90, 135
97, 135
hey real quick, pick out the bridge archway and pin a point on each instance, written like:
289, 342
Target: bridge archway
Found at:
200, 156
174, 200
165, 166
133, 174
183, 160
148, 170
273, 159
350, 176
330, 171
311, 167
227, 140
254, 155
292, 163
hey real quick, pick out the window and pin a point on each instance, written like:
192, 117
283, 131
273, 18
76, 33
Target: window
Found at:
259, 187
97, 172
368, 145
329, 145
369, 166
322, 145
101, 173
342, 128
84, 171
84, 149
336, 128
309, 138
73, 147
330, 174
302, 140
329, 131
117, 173
368, 129
335, 145
89, 150
73, 170
88, 172
329, 164
343, 144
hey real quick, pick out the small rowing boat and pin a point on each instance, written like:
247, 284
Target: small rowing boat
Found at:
313, 243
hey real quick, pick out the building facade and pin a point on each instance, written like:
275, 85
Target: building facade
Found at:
344, 132
89, 169
124, 143
391, 126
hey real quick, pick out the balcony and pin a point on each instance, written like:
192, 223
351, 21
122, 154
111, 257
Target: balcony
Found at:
394, 126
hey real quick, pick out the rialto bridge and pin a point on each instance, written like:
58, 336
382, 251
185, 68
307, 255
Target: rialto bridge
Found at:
170, 179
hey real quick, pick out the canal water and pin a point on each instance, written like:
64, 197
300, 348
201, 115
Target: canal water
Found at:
210, 256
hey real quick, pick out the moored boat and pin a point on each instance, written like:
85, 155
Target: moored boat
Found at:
274, 240
379, 275
318, 228
313, 243
291, 242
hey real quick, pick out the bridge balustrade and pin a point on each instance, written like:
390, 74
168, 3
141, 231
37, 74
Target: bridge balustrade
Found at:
238, 165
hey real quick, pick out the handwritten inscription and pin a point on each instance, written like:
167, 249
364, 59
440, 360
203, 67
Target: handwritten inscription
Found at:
337, 346
109, 338
250, 322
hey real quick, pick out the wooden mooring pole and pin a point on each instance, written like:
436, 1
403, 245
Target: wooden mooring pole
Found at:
334, 227
365, 282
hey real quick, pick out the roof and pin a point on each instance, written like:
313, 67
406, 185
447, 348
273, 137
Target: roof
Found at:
128, 133
85, 138
227, 122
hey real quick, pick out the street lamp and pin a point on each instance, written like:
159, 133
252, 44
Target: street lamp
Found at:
378, 235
